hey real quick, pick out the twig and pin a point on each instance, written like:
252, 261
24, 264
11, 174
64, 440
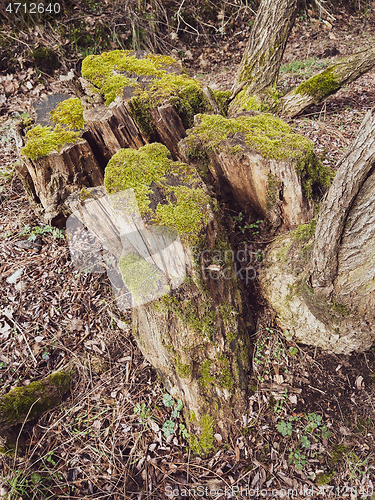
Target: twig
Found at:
19, 434
24, 338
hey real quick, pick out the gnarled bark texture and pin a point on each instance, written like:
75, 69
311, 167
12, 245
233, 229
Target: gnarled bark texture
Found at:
323, 288
196, 336
328, 81
260, 64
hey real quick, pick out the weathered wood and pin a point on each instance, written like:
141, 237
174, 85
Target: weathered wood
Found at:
195, 335
110, 128
334, 215
328, 81
269, 188
49, 180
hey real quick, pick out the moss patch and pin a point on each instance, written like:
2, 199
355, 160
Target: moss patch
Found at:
269, 136
320, 85
183, 207
151, 81
40, 141
144, 280
305, 231
69, 113
203, 443
23, 401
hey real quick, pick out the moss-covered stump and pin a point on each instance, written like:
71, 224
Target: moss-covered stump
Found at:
28, 403
56, 161
160, 99
269, 170
196, 336
328, 81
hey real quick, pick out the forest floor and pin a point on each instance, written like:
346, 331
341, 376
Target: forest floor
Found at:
310, 425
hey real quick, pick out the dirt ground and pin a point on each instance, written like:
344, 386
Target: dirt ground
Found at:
310, 421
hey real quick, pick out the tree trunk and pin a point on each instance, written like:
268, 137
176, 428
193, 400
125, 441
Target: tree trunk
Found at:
322, 287
195, 336
327, 82
264, 51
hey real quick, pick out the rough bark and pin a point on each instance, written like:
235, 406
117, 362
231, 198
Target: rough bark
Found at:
49, 180
327, 82
197, 335
261, 61
322, 287
335, 213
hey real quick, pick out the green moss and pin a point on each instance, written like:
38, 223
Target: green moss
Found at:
224, 375
70, 113
341, 309
203, 443
230, 337
40, 141
314, 174
183, 208
305, 231
144, 280
206, 379
266, 134
228, 315
338, 454
33, 400
111, 72
320, 85
222, 99
322, 479
200, 321
247, 103
183, 370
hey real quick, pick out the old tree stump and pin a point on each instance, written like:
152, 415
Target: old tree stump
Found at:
127, 129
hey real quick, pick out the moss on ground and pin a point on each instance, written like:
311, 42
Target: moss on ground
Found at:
45, 59
40, 141
183, 207
33, 400
69, 113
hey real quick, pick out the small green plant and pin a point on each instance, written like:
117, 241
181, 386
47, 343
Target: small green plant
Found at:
293, 351
297, 458
143, 412
285, 428
42, 231
169, 425
254, 226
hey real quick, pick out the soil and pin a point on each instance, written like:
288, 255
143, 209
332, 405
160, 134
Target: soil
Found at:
106, 439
